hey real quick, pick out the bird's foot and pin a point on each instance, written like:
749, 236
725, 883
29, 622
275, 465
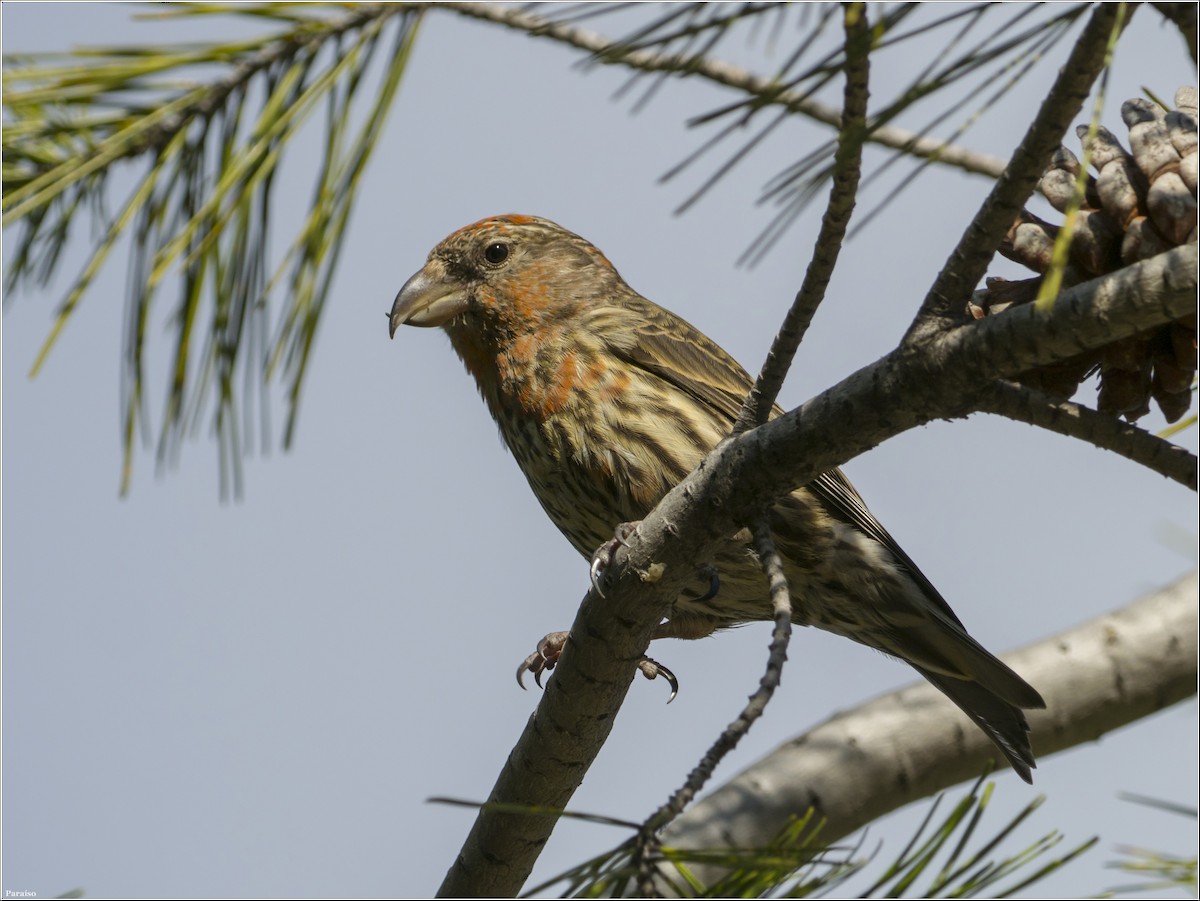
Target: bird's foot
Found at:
544, 659
603, 557
549, 649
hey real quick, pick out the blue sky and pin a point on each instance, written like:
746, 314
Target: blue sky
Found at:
208, 699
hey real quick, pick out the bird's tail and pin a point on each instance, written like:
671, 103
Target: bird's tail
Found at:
1002, 722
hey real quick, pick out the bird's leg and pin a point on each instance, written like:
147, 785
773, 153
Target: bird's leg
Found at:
549, 649
603, 557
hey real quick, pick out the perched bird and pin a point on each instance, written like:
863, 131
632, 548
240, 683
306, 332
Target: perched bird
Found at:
607, 401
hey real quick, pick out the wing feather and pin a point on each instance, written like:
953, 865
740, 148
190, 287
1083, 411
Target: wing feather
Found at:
682, 355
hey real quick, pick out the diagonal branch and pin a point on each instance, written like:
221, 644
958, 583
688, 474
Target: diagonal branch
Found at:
765, 91
968, 262
1107, 432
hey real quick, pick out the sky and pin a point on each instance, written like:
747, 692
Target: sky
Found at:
256, 697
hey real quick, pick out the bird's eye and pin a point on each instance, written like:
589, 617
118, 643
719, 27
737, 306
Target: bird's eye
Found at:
496, 253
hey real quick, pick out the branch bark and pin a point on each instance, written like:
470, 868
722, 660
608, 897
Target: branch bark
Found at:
945, 377
863, 763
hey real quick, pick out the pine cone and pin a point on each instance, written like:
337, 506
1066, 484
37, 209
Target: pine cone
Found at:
1140, 203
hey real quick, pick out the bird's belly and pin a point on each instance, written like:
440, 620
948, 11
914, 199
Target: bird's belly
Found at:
588, 487
838, 580
580, 491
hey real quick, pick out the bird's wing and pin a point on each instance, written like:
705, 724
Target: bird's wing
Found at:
682, 355
846, 504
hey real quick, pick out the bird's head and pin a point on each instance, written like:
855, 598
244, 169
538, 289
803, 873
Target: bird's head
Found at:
507, 275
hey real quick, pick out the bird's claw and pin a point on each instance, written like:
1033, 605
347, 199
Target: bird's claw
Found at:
605, 553
596, 570
544, 659
549, 649
652, 669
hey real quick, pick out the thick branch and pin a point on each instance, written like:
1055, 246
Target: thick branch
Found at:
909, 387
765, 90
560, 741
860, 764
968, 262
1072, 419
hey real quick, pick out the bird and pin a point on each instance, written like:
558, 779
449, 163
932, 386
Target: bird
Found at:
607, 400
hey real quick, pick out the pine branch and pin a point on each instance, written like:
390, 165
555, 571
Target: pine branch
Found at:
153, 133
764, 91
202, 209
913, 385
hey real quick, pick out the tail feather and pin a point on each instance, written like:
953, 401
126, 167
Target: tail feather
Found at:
1002, 722
936, 646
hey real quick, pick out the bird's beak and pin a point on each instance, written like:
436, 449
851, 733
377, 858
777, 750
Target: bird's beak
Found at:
427, 299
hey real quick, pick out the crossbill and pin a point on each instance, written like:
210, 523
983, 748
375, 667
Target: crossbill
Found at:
607, 401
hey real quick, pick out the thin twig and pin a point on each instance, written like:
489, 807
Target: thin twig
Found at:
847, 172
1076, 421
781, 602
765, 91
969, 260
